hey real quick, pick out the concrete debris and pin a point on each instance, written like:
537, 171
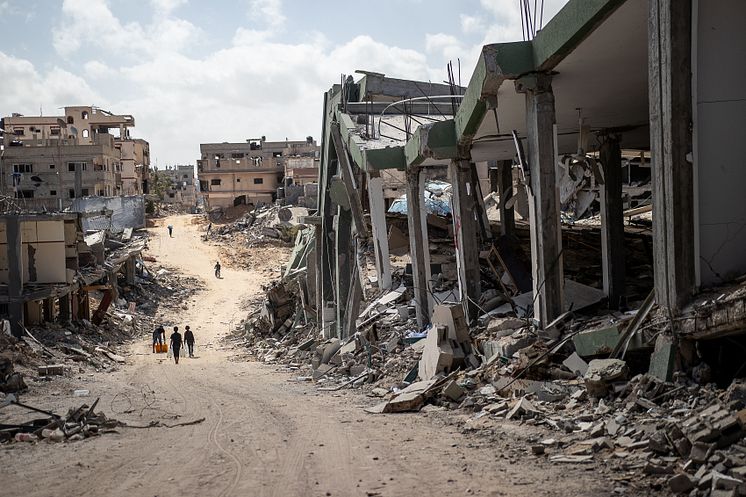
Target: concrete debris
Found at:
601, 373
78, 424
650, 411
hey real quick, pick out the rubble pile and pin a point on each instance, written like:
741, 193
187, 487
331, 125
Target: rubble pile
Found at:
265, 225
588, 402
76, 425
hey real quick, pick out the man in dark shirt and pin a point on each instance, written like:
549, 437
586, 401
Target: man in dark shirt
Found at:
189, 339
176, 343
159, 336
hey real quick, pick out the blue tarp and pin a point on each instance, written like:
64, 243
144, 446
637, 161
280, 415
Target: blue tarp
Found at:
437, 200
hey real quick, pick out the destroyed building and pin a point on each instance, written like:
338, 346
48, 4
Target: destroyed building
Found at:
48, 160
246, 173
182, 189
568, 113
48, 268
592, 283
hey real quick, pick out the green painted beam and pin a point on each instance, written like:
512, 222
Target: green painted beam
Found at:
564, 32
496, 63
367, 159
432, 141
386, 158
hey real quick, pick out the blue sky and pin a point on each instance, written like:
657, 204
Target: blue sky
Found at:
194, 71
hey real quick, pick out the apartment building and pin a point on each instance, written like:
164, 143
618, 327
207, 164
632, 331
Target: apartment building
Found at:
182, 189
47, 160
301, 170
135, 165
247, 173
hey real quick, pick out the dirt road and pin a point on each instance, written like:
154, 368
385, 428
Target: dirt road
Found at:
263, 435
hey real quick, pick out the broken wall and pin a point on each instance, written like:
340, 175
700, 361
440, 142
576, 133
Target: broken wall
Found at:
126, 212
43, 252
720, 145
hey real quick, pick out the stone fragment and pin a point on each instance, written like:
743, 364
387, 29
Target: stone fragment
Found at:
576, 364
681, 483
700, 452
453, 391
602, 372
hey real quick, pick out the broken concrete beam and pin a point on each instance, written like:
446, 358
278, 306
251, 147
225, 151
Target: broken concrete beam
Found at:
453, 391
452, 317
576, 364
438, 353
504, 326
331, 348
522, 408
601, 373
52, 369
507, 346
321, 371
601, 341
411, 398
663, 359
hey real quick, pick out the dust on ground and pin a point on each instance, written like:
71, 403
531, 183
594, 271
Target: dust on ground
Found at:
263, 434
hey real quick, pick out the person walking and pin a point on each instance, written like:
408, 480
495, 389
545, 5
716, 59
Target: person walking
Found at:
159, 336
209, 229
217, 269
170, 231
189, 339
176, 343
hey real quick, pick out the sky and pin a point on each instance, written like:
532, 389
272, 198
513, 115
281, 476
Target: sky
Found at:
201, 71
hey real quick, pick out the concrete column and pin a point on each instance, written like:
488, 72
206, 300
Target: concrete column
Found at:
129, 272
419, 246
670, 100
317, 243
344, 265
84, 305
64, 308
546, 234
48, 306
505, 187
377, 207
612, 222
15, 276
465, 235
494, 173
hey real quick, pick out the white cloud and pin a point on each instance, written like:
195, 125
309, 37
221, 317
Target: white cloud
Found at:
165, 7
25, 90
256, 85
267, 12
91, 23
472, 24
95, 69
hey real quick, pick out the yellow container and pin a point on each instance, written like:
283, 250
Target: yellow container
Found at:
161, 348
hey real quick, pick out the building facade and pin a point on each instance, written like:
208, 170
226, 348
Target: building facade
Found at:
247, 173
182, 189
48, 160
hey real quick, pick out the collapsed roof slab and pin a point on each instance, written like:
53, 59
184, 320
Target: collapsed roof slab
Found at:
599, 72
597, 53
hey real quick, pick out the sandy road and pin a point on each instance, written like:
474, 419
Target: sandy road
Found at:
263, 435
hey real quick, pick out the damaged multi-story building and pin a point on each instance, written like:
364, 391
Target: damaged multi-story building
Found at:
247, 173
181, 189
48, 160
613, 108
48, 267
